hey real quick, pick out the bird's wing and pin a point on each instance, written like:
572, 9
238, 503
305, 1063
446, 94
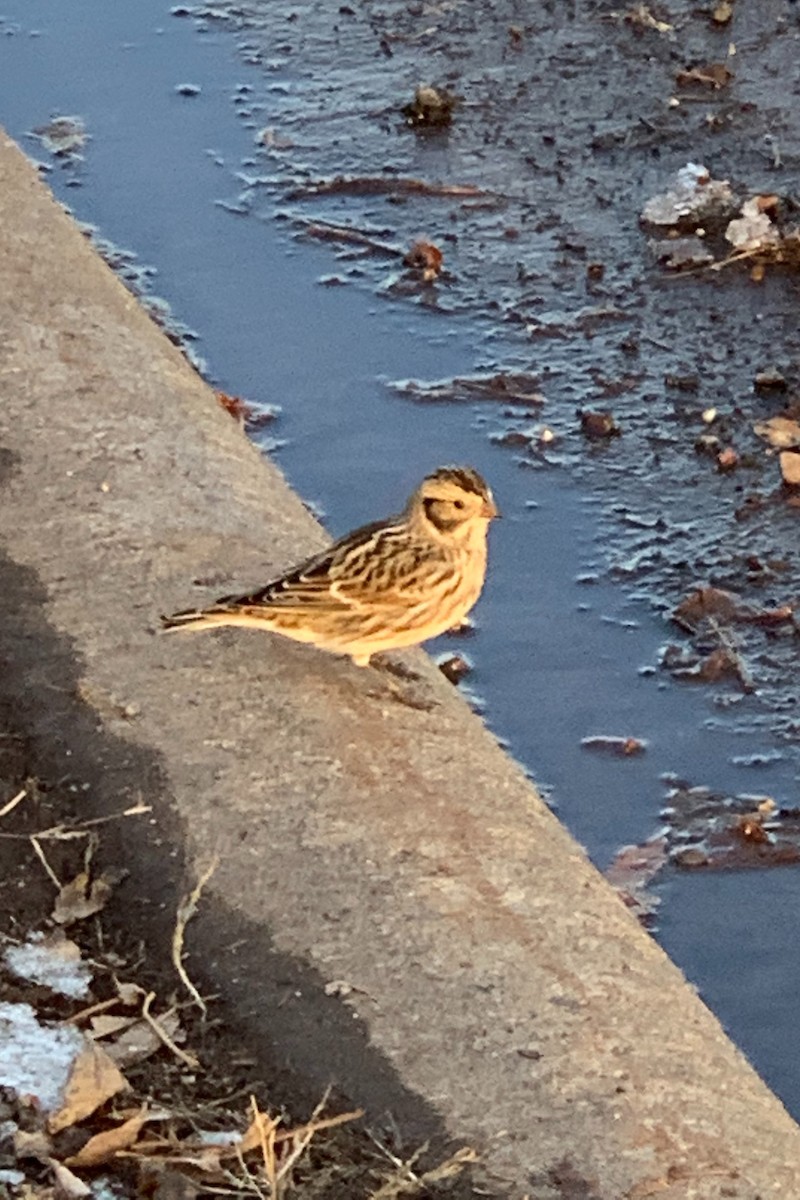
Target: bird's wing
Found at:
375, 566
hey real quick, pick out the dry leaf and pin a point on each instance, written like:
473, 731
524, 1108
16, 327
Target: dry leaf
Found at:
129, 993
430, 107
68, 1186
32, 1145
599, 424
425, 257
790, 467
238, 408
95, 1078
708, 602
140, 1040
714, 75
81, 898
105, 1026
204, 1161
103, 1146
782, 433
160, 1183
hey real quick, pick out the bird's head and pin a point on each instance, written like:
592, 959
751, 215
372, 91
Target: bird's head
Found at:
454, 502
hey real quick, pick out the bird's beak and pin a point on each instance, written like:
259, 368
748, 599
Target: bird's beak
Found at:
490, 510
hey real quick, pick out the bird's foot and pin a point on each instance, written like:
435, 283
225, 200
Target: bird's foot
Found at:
396, 667
403, 692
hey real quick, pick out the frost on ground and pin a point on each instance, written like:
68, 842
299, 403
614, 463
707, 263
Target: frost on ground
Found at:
55, 962
35, 1058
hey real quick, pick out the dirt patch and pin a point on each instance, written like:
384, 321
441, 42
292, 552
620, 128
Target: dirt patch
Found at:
189, 1111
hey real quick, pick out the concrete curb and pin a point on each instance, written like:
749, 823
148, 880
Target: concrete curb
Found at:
501, 993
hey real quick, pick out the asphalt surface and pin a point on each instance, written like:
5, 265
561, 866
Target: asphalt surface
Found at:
395, 909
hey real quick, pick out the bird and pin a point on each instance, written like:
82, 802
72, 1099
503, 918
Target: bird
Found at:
384, 586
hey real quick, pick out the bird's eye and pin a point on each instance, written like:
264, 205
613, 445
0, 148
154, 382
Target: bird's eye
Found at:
458, 503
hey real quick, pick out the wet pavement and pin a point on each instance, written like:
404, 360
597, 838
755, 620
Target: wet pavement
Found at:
601, 539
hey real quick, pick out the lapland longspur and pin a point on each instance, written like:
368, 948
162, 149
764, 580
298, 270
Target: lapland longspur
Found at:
384, 586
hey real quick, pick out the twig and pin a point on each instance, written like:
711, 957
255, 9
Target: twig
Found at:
409, 1183
325, 1123
302, 1139
736, 256
189, 1059
728, 643
186, 911
354, 237
41, 856
101, 1006
12, 803
371, 185
60, 833
266, 1137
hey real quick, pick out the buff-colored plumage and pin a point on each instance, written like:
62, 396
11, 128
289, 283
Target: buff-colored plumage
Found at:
382, 587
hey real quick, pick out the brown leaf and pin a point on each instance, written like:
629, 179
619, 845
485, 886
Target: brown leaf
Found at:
129, 993
750, 827
790, 467
95, 1078
782, 433
81, 898
713, 75
599, 424
719, 664
157, 1182
430, 107
32, 1145
727, 459
239, 409
68, 1186
707, 602
103, 1146
105, 1026
425, 257
140, 1040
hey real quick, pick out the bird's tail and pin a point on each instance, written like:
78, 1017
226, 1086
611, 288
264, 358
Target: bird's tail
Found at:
194, 619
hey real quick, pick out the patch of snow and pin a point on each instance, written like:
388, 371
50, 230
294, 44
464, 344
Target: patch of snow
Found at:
35, 1059
692, 195
54, 962
15, 1178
